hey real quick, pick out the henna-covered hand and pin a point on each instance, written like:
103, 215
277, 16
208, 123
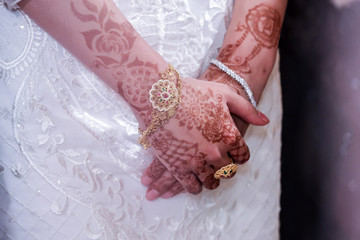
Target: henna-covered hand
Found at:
200, 139
250, 39
249, 33
190, 149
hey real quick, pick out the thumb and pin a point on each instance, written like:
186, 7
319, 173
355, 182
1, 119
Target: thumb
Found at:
245, 110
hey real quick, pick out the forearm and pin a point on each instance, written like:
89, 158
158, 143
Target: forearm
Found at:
250, 44
103, 40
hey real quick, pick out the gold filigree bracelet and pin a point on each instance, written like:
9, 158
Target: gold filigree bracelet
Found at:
165, 96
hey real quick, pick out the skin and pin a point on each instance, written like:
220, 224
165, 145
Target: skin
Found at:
249, 48
185, 156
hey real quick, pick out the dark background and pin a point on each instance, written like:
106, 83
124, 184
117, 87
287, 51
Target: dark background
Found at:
320, 62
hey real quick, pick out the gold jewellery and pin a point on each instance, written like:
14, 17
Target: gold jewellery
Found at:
165, 96
227, 171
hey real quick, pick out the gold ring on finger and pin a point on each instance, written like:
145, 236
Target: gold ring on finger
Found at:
227, 171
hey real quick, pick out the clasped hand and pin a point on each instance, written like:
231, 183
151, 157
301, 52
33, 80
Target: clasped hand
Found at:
200, 139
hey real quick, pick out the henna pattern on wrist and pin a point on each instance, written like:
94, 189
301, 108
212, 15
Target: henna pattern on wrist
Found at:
134, 82
261, 30
111, 41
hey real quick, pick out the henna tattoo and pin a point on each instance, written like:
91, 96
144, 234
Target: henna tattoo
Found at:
264, 23
175, 154
205, 112
176, 188
239, 151
111, 44
111, 41
262, 28
194, 107
163, 184
204, 172
134, 82
155, 169
183, 159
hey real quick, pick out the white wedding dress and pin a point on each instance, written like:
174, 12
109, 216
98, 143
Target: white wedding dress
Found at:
69, 162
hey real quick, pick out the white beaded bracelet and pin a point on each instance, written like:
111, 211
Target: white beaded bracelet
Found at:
239, 79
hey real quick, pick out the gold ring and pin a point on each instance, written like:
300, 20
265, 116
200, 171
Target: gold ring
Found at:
227, 171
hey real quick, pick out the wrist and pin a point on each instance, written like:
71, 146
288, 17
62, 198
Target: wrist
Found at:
164, 97
241, 81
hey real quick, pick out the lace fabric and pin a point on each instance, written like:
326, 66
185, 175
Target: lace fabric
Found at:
70, 164
11, 4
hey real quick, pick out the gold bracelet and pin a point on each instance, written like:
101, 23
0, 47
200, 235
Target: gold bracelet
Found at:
165, 96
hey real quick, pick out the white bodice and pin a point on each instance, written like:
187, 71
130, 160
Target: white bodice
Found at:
69, 161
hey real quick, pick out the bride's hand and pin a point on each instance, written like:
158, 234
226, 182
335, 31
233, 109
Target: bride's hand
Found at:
214, 74
200, 139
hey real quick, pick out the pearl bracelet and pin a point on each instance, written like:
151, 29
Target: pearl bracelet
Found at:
239, 79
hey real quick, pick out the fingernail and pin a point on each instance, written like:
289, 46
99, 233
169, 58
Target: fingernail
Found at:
263, 117
145, 180
167, 195
152, 195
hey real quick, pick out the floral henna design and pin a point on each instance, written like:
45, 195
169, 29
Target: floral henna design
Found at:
205, 112
112, 41
264, 23
262, 26
190, 112
194, 106
135, 81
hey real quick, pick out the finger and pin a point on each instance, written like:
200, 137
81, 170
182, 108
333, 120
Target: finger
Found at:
243, 108
204, 172
160, 186
175, 189
225, 161
154, 171
190, 183
224, 169
240, 153
240, 124
238, 150
206, 177
235, 144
